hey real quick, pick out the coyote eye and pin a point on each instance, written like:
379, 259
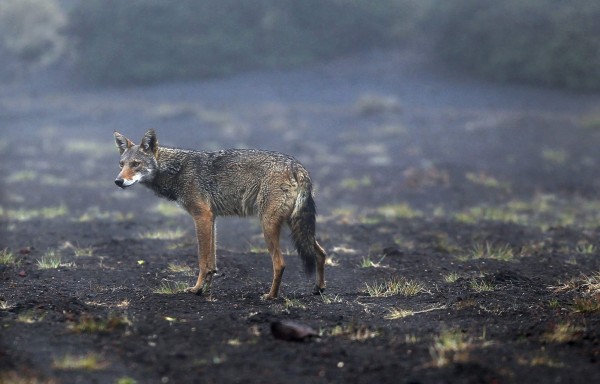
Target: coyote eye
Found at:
120, 164
135, 164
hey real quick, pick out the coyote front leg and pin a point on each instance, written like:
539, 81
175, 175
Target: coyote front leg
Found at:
205, 232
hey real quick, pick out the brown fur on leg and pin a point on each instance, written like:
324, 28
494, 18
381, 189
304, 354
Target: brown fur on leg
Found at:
204, 220
272, 230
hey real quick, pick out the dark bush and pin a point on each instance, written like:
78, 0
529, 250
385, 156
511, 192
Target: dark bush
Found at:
140, 41
549, 42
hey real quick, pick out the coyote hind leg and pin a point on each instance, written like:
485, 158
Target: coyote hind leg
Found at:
321, 256
272, 231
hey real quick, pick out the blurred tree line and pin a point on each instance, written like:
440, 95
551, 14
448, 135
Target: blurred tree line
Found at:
549, 42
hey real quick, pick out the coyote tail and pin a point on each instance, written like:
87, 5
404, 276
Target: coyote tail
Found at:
303, 223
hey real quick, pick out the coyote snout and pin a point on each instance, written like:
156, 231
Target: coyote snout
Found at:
125, 183
230, 182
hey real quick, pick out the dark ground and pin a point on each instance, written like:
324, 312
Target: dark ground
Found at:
481, 198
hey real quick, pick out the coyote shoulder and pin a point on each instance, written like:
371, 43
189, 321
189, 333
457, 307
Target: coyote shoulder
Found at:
241, 182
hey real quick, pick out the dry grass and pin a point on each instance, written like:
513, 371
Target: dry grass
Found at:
180, 268
490, 251
88, 324
587, 289
563, 333
479, 285
394, 286
399, 313
163, 234
367, 262
170, 288
21, 378
89, 362
52, 260
452, 277
7, 257
352, 331
23, 214
450, 347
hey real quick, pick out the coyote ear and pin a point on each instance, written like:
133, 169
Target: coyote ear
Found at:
123, 143
149, 142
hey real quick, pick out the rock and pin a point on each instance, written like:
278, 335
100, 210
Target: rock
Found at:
292, 331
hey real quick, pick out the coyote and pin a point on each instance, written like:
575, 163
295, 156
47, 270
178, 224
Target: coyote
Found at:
238, 182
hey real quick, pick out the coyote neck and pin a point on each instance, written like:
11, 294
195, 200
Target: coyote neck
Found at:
167, 176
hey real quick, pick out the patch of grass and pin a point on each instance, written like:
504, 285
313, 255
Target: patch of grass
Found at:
554, 304
54, 181
12, 377
585, 249
88, 324
452, 277
540, 360
587, 304
163, 234
180, 268
168, 209
489, 251
170, 288
79, 251
479, 285
95, 213
7, 257
328, 299
21, 176
554, 156
354, 183
394, 286
31, 317
367, 262
399, 211
22, 214
331, 261
487, 181
352, 331
289, 303
126, 380
587, 288
488, 213
87, 147
450, 346
563, 333
258, 249
399, 313
443, 243
89, 362
5, 305
52, 260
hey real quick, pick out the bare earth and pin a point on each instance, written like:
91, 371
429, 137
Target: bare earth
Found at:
461, 219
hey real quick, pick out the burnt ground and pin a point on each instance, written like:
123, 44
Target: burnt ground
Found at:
461, 219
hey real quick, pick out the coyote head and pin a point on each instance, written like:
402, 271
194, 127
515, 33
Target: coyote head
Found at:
138, 162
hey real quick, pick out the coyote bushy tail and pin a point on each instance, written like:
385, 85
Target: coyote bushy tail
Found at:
303, 226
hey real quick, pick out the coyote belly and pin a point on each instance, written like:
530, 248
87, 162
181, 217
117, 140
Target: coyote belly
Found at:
241, 182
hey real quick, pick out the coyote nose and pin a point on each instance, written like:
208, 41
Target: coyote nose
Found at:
120, 182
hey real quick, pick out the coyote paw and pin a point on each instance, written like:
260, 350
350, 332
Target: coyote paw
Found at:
268, 296
318, 290
195, 290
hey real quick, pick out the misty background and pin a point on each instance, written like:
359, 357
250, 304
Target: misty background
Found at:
362, 91
108, 42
